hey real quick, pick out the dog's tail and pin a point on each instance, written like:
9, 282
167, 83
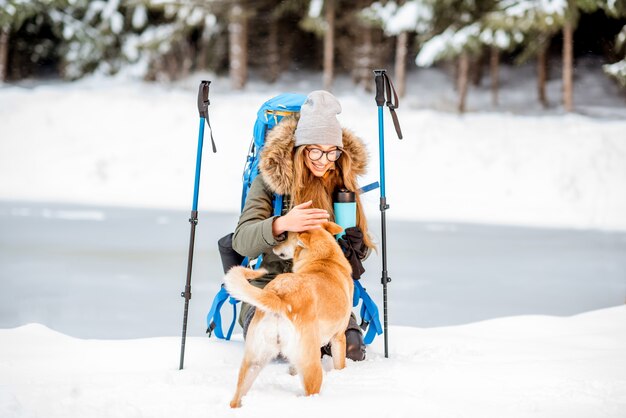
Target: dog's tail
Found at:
236, 281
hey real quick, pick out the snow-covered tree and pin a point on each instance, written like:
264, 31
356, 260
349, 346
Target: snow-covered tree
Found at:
13, 15
413, 17
459, 33
238, 44
617, 70
330, 7
539, 21
497, 40
614, 8
162, 46
91, 32
567, 13
326, 19
533, 23
107, 35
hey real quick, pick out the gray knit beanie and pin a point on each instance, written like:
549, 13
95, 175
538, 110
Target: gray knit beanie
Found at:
318, 122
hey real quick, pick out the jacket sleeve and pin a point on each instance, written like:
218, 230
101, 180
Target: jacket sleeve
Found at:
253, 235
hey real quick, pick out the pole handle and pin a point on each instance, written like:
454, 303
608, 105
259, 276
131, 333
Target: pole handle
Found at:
203, 107
384, 85
379, 76
203, 98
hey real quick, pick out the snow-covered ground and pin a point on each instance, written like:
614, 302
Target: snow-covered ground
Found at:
123, 143
529, 366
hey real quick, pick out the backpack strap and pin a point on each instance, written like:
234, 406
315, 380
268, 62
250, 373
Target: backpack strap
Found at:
370, 317
277, 211
368, 187
278, 204
214, 317
369, 313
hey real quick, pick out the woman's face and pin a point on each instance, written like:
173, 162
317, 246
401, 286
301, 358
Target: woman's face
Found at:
320, 158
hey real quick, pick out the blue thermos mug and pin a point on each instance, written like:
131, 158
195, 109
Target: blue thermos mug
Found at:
345, 209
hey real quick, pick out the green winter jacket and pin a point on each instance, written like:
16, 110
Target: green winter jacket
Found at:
253, 235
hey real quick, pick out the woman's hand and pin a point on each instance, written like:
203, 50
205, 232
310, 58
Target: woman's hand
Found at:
300, 218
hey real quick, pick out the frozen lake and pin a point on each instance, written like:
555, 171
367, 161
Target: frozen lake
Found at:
96, 272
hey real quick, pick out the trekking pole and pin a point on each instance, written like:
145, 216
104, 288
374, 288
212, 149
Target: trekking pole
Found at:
203, 109
383, 84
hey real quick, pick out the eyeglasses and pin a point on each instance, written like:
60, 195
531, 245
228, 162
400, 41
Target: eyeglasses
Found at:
316, 154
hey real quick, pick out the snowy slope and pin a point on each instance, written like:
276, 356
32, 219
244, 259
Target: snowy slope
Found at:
530, 366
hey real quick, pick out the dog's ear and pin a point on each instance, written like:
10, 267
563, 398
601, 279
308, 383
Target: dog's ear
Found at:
303, 240
332, 227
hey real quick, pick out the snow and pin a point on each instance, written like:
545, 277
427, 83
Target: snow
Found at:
617, 69
315, 8
414, 16
498, 38
124, 143
448, 44
527, 366
432, 49
522, 8
140, 17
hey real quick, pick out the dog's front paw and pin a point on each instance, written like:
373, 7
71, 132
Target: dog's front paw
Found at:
235, 403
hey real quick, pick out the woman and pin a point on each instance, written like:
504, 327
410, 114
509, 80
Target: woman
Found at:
304, 160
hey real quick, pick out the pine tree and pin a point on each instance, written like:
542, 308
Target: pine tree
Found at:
329, 44
612, 8
617, 70
567, 14
164, 46
402, 19
13, 15
459, 32
91, 32
532, 23
4, 52
108, 35
238, 44
320, 20
166, 40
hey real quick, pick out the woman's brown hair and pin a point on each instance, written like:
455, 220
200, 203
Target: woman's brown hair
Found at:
306, 186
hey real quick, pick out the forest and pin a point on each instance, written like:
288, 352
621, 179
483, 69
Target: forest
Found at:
166, 40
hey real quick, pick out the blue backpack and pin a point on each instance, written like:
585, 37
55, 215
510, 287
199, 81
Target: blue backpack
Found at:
268, 116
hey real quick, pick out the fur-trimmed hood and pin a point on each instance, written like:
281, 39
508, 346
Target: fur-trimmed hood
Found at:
276, 165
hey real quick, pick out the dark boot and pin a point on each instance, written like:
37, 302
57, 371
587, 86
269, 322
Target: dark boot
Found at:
355, 347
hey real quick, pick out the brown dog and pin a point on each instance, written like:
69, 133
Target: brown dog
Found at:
297, 312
